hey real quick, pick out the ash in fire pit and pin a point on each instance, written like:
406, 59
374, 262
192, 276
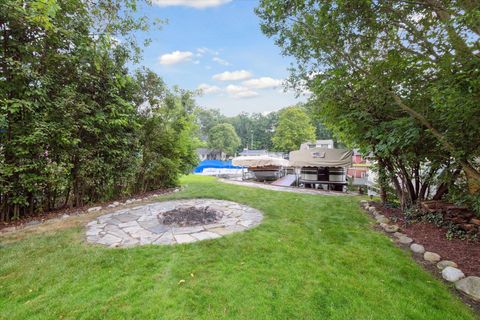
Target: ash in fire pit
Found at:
190, 216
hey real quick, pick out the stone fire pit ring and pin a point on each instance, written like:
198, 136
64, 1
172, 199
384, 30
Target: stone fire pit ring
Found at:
171, 222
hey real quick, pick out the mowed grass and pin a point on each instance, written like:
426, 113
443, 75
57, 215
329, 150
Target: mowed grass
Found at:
313, 257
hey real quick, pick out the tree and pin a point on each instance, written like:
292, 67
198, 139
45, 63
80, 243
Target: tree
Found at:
167, 134
207, 119
255, 130
222, 137
400, 79
294, 128
73, 127
420, 58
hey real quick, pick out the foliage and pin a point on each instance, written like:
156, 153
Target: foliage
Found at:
167, 135
294, 128
71, 124
313, 257
255, 130
399, 80
207, 119
222, 137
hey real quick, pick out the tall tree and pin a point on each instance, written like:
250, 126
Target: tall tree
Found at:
223, 137
419, 57
294, 128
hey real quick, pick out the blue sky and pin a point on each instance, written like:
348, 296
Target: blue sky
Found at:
217, 45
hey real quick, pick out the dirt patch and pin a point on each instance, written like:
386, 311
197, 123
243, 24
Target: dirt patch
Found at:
466, 253
190, 216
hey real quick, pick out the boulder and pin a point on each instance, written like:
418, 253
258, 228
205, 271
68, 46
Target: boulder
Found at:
405, 240
391, 228
445, 263
417, 248
382, 219
431, 256
452, 274
470, 286
93, 209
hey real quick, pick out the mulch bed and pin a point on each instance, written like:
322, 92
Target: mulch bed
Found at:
463, 252
40, 217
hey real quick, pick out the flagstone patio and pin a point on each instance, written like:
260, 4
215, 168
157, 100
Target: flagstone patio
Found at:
143, 225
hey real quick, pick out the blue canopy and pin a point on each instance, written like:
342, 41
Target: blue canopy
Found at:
217, 164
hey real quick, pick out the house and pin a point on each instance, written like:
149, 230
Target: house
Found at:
359, 171
247, 153
326, 144
209, 154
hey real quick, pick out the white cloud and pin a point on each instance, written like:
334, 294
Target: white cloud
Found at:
198, 4
206, 88
221, 61
262, 83
175, 57
232, 75
240, 92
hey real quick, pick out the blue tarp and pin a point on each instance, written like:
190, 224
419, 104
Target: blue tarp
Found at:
216, 164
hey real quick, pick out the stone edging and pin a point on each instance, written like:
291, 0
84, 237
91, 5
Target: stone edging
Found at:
80, 211
449, 269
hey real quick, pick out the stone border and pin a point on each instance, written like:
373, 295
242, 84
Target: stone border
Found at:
84, 210
449, 269
141, 226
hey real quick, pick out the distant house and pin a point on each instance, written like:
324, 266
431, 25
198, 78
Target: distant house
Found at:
326, 144
360, 169
209, 154
247, 152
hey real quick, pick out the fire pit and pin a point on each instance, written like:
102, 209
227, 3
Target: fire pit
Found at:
190, 216
172, 222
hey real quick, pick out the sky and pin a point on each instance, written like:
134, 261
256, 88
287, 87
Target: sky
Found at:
217, 46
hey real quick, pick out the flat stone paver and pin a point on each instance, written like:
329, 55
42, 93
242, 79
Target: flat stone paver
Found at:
141, 225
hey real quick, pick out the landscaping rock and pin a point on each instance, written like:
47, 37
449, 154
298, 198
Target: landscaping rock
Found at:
32, 223
382, 219
399, 234
391, 228
452, 274
431, 256
65, 216
405, 240
470, 286
417, 248
445, 263
93, 209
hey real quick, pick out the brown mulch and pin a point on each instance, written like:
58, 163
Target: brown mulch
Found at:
44, 216
465, 253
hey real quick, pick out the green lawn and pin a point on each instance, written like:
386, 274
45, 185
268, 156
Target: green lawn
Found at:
313, 257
